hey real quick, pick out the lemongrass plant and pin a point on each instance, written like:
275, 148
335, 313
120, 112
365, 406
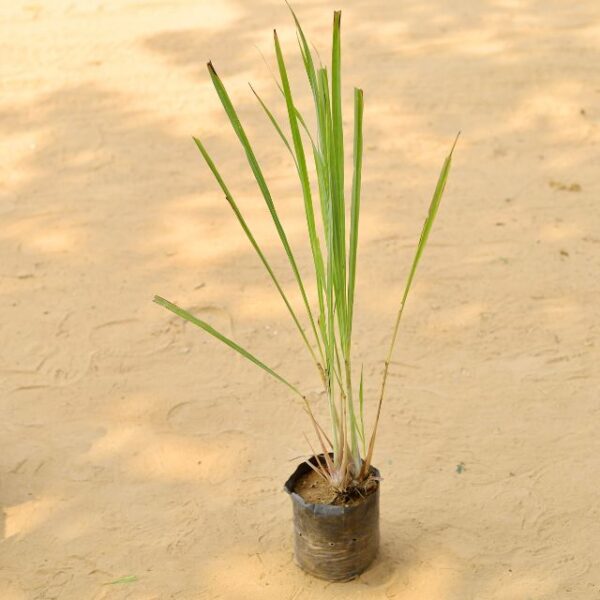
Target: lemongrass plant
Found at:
347, 453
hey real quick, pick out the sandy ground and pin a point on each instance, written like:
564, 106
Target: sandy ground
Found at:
133, 445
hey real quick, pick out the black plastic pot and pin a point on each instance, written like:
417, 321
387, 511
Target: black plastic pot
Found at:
336, 543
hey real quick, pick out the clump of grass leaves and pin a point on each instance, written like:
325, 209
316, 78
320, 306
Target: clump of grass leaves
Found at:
347, 454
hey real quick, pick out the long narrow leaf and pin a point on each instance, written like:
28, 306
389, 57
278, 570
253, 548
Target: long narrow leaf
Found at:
184, 314
355, 208
303, 175
427, 225
325, 167
336, 156
234, 207
307, 58
319, 153
433, 209
275, 124
262, 184
336, 97
361, 399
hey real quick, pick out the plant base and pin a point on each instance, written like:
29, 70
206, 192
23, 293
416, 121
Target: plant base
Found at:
336, 543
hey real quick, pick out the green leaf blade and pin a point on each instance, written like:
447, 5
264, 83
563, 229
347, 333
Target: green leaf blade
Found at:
184, 314
303, 176
427, 225
236, 210
355, 207
262, 184
123, 580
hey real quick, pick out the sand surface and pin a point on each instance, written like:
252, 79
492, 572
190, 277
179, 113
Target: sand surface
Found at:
135, 446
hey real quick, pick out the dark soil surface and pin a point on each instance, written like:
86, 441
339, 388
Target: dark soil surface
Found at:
314, 489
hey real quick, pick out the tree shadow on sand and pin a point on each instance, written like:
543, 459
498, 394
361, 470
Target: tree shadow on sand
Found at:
122, 405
